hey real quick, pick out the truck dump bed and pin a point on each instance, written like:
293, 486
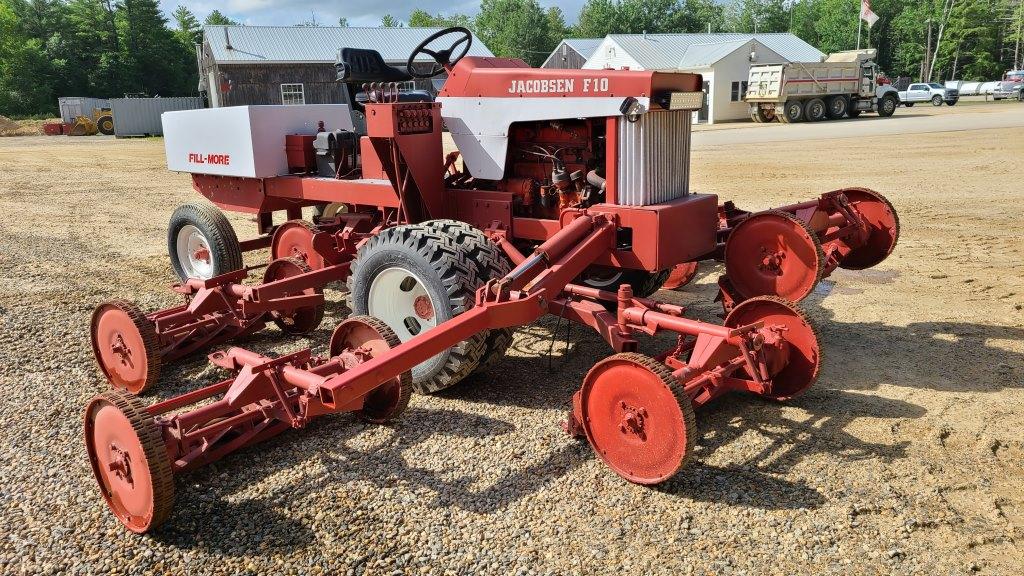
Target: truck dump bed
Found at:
780, 82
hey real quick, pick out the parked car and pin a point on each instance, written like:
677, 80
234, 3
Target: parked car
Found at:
1012, 86
928, 92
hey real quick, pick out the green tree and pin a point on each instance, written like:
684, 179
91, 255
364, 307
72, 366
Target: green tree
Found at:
515, 29
22, 91
343, 22
389, 21
154, 61
698, 16
189, 30
423, 19
758, 16
216, 18
598, 18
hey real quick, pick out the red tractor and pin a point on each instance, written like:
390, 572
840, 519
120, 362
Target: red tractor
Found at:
569, 195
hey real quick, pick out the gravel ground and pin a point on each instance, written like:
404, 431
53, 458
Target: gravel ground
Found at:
905, 458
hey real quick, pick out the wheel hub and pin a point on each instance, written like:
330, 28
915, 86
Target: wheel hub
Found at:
400, 299
633, 421
121, 350
121, 465
424, 309
194, 254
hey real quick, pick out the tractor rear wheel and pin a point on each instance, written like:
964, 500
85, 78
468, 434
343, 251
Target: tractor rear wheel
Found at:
415, 278
792, 112
106, 125
491, 264
610, 279
837, 107
201, 242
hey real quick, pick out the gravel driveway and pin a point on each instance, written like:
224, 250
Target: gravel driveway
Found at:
905, 458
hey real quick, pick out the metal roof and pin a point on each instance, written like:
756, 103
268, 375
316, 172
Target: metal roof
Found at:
291, 44
705, 55
583, 46
664, 51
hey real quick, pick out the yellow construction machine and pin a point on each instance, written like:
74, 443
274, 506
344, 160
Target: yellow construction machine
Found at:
100, 122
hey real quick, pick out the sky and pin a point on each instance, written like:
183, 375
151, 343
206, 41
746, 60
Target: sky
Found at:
358, 12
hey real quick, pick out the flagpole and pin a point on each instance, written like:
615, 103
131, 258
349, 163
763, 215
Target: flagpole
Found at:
860, 24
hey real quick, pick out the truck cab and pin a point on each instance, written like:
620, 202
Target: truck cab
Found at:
1011, 86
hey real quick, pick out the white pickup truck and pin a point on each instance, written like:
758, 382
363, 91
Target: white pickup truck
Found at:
933, 92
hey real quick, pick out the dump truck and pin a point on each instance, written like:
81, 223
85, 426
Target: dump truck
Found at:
846, 84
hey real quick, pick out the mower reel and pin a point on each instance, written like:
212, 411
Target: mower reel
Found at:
129, 460
796, 359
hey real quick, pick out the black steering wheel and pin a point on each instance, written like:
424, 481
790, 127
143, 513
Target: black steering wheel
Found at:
442, 57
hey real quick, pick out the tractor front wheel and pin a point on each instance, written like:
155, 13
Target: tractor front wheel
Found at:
201, 242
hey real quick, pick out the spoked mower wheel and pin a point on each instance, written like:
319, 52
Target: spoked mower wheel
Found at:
300, 320
681, 275
201, 242
637, 417
129, 460
414, 278
294, 239
883, 224
125, 346
373, 336
788, 328
773, 253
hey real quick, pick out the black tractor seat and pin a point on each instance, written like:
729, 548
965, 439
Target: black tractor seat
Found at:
358, 65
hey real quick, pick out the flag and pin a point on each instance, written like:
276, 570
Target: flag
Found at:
866, 14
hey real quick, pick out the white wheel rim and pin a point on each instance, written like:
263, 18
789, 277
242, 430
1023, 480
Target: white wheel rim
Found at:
194, 254
400, 299
608, 278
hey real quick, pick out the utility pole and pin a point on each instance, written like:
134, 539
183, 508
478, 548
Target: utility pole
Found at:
860, 24
926, 63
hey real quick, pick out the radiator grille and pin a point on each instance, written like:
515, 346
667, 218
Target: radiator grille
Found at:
654, 158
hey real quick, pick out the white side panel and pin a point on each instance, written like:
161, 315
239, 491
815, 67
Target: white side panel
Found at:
245, 141
480, 126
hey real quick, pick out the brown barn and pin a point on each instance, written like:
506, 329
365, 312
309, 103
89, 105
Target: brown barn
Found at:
247, 65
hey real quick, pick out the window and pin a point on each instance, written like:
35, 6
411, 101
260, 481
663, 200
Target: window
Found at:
739, 89
292, 94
